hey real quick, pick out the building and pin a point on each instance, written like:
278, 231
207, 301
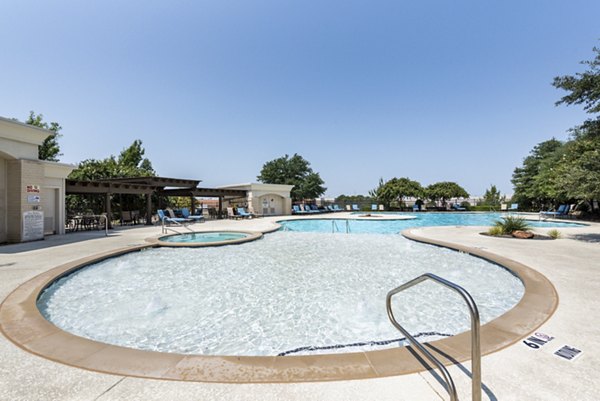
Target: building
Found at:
266, 199
32, 191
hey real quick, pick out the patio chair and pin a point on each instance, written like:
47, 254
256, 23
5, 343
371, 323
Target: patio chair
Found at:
381, 208
355, 208
416, 208
231, 214
337, 208
513, 207
563, 210
373, 207
195, 218
167, 219
458, 207
242, 212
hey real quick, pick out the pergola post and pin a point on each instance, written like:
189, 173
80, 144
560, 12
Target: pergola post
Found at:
108, 210
148, 209
193, 202
220, 206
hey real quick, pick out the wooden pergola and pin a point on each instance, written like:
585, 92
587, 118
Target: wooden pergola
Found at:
148, 186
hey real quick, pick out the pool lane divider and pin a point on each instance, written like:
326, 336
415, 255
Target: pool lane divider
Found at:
23, 324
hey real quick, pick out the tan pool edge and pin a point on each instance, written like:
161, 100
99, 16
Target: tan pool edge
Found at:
23, 324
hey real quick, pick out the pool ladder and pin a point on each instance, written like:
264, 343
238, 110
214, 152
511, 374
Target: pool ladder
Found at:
475, 336
335, 228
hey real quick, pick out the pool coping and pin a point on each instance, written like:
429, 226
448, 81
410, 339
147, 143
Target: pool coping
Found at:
22, 323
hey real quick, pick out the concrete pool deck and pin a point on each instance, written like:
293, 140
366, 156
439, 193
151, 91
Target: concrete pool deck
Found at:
516, 372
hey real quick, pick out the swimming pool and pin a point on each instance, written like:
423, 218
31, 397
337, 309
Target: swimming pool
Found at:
289, 293
374, 226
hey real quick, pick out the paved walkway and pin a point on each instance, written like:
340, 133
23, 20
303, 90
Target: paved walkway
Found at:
515, 373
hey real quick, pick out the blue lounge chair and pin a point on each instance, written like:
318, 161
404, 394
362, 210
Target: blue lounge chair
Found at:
186, 215
242, 212
416, 208
355, 208
296, 210
374, 207
166, 219
315, 209
458, 207
513, 207
337, 208
563, 210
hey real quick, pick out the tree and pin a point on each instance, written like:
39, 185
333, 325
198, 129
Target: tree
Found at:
129, 163
584, 87
374, 193
49, 149
294, 171
534, 183
445, 190
577, 175
396, 189
492, 196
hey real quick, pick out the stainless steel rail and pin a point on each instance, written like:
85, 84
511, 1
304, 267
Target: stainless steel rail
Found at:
475, 336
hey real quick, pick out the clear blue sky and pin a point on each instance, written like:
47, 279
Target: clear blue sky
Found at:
432, 90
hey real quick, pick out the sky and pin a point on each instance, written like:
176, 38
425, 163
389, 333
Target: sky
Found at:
431, 90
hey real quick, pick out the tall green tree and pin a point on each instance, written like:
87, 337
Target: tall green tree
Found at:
534, 183
49, 149
396, 189
578, 173
442, 191
294, 171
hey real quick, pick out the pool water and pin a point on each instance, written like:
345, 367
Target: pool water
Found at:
288, 291
203, 237
395, 226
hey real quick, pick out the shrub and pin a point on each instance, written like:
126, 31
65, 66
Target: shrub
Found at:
554, 233
495, 231
510, 224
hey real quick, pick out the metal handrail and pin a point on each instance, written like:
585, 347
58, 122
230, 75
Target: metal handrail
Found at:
475, 336
164, 226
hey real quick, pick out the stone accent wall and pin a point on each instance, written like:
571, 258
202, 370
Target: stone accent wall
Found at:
20, 174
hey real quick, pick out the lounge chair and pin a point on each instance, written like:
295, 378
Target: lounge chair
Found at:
242, 212
373, 207
231, 214
355, 208
458, 207
167, 219
195, 218
563, 210
315, 209
348, 208
416, 208
296, 210
513, 207
381, 208
337, 208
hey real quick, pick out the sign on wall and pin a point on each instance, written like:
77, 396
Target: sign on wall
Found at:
33, 199
33, 225
33, 189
